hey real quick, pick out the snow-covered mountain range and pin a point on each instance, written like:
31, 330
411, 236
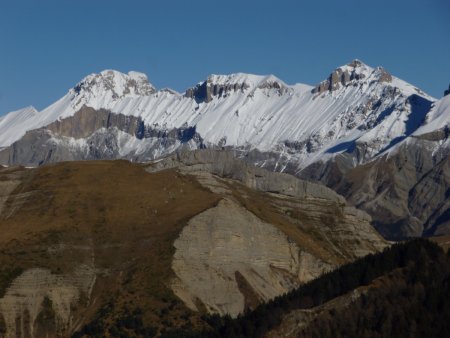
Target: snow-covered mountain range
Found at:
357, 115
357, 103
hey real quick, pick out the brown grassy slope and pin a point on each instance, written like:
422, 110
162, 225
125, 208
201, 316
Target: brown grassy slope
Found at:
111, 212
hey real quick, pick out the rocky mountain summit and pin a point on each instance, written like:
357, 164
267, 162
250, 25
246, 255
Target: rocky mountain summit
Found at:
350, 75
257, 112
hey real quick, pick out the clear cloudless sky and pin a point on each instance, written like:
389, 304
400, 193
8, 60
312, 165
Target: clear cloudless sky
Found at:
47, 46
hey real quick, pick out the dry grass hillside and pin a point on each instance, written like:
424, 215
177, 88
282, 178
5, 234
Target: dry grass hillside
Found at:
112, 215
87, 248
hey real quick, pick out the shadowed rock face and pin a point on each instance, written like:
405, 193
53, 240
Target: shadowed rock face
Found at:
429, 199
205, 91
406, 193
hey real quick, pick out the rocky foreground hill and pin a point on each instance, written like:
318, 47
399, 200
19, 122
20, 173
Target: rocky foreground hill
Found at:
102, 247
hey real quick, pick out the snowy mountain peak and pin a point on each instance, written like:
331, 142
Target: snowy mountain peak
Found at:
138, 76
352, 73
358, 102
114, 84
250, 80
356, 67
103, 90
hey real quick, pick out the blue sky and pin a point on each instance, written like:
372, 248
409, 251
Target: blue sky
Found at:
47, 46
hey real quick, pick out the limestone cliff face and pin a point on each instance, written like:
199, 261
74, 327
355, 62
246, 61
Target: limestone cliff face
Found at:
254, 246
38, 290
229, 241
88, 120
97, 134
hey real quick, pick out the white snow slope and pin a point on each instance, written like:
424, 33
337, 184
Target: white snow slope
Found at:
255, 112
11, 124
437, 118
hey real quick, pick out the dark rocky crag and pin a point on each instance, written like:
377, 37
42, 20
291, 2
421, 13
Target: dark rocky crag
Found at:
205, 91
